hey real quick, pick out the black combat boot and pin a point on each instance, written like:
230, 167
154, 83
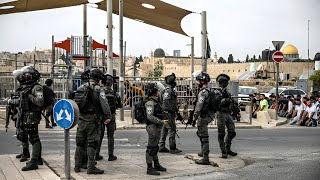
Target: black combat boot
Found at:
158, 167
77, 169
175, 151
95, 171
232, 153
112, 157
25, 155
32, 165
152, 171
224, 154
204, 160
98, 157
164, 150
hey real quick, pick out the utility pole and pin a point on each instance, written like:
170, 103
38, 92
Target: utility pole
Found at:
121, 65
109, 38
308, 57
204, 40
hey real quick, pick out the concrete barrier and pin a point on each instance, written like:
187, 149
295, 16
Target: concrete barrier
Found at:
272, 113
263, 117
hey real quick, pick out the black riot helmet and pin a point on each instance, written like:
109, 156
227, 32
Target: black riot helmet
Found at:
152, 88
203, 77
223, 80
96, 74
108, 80
29, 75
48, 82
18, 75
171, 80
85, 76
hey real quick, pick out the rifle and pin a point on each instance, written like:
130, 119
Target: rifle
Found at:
171, 122
10, 111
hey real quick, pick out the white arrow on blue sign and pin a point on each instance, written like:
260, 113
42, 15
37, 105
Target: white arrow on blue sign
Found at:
65, 113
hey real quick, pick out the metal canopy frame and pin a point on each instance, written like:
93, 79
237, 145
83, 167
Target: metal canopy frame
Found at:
164, 15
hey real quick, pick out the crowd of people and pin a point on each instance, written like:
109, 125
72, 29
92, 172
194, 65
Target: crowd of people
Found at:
302, 111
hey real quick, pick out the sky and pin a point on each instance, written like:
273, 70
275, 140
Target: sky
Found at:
237, 27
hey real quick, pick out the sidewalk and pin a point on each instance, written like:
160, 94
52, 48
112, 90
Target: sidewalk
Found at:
10, 169
133, 166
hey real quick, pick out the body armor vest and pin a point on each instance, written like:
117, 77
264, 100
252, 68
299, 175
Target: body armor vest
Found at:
112, 101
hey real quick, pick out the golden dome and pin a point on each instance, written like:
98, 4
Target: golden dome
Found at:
290, 49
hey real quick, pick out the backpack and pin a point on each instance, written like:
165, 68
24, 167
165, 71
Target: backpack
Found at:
83, 97
215, 97
48, 97
140, 111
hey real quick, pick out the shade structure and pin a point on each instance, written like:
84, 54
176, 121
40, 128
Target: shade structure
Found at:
164, 15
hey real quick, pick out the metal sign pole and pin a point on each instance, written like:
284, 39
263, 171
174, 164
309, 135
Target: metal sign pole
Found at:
109, 37
67, 154
192, 59
277, 90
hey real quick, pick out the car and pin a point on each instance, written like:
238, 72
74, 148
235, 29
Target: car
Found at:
286, 91
245, 91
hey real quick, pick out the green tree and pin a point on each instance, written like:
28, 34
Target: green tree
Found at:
247, 58
157, 71
230, 58
259, 58
254, 57
315, 78
221, 60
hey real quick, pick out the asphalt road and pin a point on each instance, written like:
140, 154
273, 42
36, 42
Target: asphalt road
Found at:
278, 153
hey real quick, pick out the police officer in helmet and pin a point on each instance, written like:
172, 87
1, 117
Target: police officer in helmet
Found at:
114, 102
170, 105
30, 101
155, 121
224, 118
203, 116
94, 109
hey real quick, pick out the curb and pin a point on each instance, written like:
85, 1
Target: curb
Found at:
282, 122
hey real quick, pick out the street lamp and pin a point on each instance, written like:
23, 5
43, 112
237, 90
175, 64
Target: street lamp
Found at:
16, 67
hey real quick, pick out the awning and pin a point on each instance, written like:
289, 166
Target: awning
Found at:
164, 15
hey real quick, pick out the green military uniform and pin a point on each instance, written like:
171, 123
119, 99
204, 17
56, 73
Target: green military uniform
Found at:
154, 124
88, 131
203, 119
224, 118
170, 105
32, 100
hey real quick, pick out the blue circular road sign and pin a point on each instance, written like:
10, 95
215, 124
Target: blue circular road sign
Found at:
65, 113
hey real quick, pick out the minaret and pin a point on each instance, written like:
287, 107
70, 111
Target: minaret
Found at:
215, 57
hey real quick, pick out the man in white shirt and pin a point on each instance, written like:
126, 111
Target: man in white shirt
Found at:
310, 120
290, 109
298, 112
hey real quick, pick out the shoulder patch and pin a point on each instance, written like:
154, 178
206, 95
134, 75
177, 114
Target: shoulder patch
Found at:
102, 95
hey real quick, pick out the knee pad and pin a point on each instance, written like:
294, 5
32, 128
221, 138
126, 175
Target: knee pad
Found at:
232, 134
93, 144
33, 140
152, 150
22, 137
221, 134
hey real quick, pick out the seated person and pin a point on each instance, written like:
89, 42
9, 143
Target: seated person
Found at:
311, 116
298, 112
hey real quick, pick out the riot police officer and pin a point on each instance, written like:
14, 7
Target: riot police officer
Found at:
114, 102
94, 109
224, 118
155, 121
203, 116
23, 137
30, 101
170, 106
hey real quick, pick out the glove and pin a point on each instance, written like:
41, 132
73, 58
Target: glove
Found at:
14, 101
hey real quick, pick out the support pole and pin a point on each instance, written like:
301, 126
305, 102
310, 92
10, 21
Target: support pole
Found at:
109, 37
16, 67
52, 58
204, 40
67, 154
121, 68
192, 59
86, 65
104, 58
